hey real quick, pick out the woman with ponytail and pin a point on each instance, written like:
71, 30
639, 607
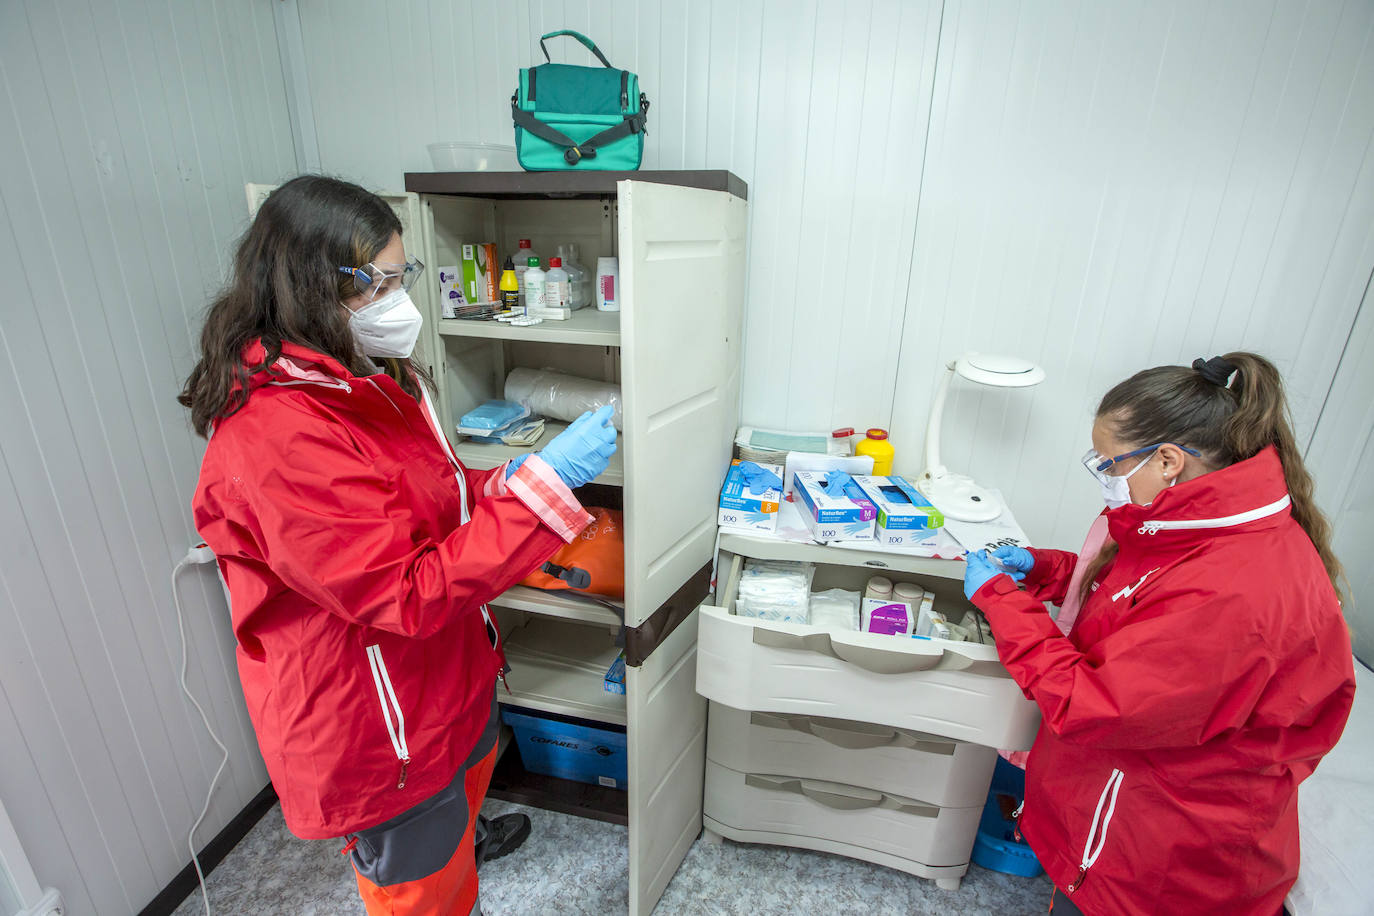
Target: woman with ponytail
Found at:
1199, 667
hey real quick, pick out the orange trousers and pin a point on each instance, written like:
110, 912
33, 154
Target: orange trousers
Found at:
410, 865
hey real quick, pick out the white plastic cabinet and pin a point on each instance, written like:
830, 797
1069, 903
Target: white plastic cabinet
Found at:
674, 349
873, 746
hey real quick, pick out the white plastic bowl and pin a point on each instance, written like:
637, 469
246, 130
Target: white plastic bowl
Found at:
473, 157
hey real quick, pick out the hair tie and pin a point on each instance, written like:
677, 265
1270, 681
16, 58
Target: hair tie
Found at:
1216, 370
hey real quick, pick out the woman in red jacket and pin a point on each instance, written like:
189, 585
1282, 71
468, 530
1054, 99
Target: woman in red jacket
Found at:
1199, 667
359, 553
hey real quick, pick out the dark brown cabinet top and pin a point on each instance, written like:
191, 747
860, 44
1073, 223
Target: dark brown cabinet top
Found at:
571, 184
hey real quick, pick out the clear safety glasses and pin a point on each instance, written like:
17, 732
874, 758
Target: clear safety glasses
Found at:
1098, 466
376, 278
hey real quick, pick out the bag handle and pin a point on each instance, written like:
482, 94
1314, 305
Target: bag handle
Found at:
586, 42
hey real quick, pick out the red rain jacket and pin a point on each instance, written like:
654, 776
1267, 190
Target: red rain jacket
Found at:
358, 554
1207, 674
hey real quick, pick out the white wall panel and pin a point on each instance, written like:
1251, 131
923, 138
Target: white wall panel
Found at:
1111, 186
127, 131
1101, 187
821, 107
1341, 455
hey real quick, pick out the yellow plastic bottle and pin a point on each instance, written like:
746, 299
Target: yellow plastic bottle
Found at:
876, 444
510, 286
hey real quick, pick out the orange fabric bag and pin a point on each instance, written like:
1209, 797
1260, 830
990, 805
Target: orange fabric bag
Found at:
600, 550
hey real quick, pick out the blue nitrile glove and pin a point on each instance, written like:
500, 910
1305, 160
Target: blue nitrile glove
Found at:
582, 452
514, 465
980, 570
758, 478
835, 484
1015, 561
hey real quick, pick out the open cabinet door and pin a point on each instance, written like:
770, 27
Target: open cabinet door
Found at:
682, 294
667, 745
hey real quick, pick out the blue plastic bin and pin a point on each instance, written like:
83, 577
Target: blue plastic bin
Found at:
569, 749
996, 846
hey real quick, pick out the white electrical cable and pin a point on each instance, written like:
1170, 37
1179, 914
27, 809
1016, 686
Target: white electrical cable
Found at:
196, 556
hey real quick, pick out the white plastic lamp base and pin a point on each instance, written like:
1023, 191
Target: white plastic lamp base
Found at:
959, 498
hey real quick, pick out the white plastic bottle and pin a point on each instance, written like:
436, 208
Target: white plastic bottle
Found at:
557, 293
579, 277
522, 262
608, 284
534, 286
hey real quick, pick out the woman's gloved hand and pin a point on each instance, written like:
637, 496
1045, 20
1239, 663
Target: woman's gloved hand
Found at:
1016, 561
582, 452
980, 569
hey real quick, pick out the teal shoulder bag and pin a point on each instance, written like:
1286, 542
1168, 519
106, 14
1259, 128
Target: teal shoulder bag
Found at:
569, 117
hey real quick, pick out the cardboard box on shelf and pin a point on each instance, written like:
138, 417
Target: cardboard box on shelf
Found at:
745, 510
850, 517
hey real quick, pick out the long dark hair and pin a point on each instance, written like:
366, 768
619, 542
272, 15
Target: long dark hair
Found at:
1226, 423
286, 287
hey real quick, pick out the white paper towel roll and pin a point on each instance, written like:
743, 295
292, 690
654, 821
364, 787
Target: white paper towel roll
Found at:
563, 397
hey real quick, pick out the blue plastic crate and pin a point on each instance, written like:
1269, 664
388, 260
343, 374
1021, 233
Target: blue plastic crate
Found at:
996, 846
580, 751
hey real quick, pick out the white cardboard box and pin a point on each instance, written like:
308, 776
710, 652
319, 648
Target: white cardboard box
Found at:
905, 517
847, 518
450, 291
746, 511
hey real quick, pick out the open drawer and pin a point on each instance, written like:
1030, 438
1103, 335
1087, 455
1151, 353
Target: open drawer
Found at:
951, 689
936, 770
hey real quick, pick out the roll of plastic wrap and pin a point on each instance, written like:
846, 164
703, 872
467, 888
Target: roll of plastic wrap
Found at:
563, 397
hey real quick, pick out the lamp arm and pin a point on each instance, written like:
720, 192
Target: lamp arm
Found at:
937, 412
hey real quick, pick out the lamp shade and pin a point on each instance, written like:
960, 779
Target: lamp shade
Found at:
999, 371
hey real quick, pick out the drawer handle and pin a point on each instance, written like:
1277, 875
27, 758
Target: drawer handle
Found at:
840, 797
878, 661
855, 736
859, 740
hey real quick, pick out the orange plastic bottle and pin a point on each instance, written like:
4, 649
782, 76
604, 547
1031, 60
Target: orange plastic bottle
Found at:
876, 444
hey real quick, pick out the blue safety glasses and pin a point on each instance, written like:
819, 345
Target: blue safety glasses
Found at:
376, 279
1098, 466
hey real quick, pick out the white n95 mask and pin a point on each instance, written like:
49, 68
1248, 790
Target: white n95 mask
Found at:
388, 327
1116, 492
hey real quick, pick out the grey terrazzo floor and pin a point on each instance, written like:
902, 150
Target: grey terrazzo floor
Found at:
573, 865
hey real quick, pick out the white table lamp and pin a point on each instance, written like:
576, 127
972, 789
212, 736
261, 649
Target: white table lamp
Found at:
955, 495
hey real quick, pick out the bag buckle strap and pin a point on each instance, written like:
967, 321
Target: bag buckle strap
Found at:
575, 154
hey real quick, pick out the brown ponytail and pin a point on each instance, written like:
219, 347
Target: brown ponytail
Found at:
1262, 418
1226, 423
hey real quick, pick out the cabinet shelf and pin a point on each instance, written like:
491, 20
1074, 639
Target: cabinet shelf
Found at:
778, 549
561, 667
555, 604
482, 456
587, 326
